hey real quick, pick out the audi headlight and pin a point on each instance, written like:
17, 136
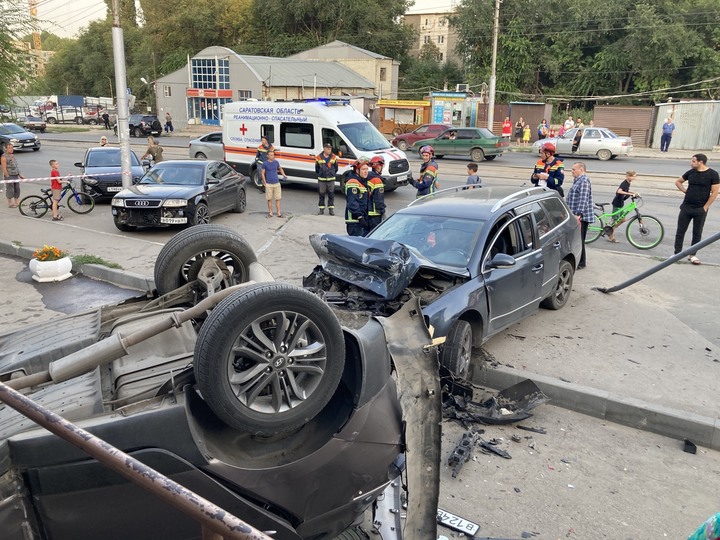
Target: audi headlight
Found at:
118, 202
174, 203
90, 181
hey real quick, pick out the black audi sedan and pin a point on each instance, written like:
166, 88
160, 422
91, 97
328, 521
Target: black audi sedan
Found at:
180, 192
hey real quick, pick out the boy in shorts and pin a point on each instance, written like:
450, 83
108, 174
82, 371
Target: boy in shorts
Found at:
621, 195
271, 171
56, 187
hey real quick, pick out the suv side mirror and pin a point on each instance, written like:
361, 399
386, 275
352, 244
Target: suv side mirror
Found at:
501, 260
79, 164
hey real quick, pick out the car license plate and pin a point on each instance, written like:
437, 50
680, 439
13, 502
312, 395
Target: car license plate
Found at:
402, 177
29, 144
457, 523
173, 220
114, 188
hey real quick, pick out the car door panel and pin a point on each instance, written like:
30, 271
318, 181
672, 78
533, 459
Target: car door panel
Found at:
514, 292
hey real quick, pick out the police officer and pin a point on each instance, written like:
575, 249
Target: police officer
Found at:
356, 199
326, 167
376, 188
427, 183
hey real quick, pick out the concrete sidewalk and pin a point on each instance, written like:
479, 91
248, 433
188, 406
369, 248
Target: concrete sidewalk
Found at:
646, 356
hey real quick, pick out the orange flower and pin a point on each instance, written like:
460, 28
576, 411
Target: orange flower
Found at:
49, 253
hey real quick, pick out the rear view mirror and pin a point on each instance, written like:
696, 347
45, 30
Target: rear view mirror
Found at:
501, 260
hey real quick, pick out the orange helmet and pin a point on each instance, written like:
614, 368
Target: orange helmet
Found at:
548, 147
377, 160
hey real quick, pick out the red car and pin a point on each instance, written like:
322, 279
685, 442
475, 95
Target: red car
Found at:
426, 131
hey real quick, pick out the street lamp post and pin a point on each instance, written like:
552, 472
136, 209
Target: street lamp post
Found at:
152, 91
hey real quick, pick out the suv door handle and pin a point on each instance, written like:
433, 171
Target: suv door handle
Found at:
538, 267
557, 244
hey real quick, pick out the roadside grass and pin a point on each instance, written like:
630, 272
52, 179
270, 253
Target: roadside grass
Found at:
72, 128
94, 259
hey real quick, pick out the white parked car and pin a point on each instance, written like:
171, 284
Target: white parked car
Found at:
594, 141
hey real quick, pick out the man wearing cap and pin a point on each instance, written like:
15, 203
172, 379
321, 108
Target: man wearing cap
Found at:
326, 168
549, 170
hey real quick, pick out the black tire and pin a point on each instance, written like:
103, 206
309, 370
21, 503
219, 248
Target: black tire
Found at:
51, 120
489, 158
563, 287
477, 155
79, 120
257, 180
93, 122
138, 132
457, 349
439, 156
80, 203
595, 229
123, 227
248, 371
240, 202
34, 206
36, 149
402, 145
200, 155
645, 233
181, 258
201, 216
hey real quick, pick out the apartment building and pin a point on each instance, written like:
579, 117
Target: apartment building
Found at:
434, 28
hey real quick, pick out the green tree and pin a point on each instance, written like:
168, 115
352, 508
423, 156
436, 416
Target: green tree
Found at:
14, 23
421, 76
282, 28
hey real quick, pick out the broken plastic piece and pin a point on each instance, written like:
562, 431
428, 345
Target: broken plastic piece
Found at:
689, 447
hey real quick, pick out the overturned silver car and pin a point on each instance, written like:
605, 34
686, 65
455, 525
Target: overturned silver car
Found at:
246, 391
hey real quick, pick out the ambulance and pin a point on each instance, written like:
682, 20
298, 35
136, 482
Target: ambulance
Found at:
298, 130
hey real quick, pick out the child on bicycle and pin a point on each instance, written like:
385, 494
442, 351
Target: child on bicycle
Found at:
56, 186
621, 195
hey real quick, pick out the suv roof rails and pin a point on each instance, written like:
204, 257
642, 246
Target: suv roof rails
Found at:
439, 192
518, 195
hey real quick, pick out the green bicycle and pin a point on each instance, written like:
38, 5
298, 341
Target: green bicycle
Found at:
643, 232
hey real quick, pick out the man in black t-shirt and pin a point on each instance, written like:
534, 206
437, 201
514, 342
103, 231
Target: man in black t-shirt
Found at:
703, 184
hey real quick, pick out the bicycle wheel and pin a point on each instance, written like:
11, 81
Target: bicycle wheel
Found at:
595, 229
80, 203
644, 232
34, 206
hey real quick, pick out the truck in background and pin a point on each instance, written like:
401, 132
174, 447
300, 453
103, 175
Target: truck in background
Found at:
298, 130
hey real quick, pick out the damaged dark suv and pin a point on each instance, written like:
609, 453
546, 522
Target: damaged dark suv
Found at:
479, 260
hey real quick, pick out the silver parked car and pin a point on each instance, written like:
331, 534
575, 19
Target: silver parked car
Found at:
208, 146
593, 141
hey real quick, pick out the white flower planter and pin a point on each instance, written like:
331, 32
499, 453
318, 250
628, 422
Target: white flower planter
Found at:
51, 270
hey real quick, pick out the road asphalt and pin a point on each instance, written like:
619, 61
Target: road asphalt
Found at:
646, 357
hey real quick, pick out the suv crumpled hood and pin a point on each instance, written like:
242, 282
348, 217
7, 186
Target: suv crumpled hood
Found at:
384, 267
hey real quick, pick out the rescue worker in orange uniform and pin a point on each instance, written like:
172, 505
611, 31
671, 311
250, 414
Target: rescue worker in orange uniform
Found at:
376, 186
356, 199
326, 167
261, 157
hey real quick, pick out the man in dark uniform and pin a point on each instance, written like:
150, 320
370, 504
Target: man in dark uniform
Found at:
376, 187
356, 199
261, 155
326, 167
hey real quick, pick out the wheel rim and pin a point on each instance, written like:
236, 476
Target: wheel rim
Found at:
277, 362
477, 155
200, 155
645, 233
225, 260
604, 155
202, 216
563, 286
465, 353
402, 145
242, 201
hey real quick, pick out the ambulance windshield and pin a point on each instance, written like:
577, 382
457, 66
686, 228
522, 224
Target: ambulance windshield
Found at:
364, 136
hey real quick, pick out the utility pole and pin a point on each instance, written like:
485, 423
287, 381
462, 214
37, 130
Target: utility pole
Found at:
491, 92
122, 99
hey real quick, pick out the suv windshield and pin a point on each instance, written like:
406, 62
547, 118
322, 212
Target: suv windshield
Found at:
443, 240
364, 136
108, 159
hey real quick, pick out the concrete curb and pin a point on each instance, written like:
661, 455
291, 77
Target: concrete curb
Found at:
635, 413
121, 278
